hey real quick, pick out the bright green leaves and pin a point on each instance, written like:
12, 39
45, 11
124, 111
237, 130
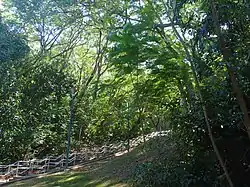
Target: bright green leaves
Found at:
147, 15
126, 48
135, 47
131, 72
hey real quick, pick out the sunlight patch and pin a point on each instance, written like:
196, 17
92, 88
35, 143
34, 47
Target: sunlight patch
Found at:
104, 184
93, 182
68, 179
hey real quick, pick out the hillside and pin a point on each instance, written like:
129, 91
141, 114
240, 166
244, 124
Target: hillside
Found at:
116, 172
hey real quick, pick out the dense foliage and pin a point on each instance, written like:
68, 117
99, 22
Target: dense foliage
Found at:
136, 66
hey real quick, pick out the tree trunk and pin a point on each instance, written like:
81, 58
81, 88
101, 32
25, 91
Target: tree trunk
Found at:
183, 95
190, 59
226, 58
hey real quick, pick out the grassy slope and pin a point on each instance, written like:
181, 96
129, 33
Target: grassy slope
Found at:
115, 172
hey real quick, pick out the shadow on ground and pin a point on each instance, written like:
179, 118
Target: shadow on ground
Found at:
112, 172
71, 179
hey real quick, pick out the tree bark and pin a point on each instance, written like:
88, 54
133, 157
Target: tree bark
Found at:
190, 59
226, 58
183, 95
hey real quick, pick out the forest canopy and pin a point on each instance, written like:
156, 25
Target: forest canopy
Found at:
136, 67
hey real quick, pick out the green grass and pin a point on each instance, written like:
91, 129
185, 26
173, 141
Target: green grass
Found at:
74, 179
91, 175
113, 172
